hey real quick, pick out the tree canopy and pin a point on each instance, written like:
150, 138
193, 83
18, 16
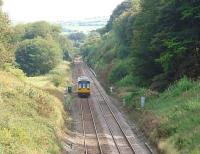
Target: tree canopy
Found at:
38, 56
6, 52
40, 39
160, 39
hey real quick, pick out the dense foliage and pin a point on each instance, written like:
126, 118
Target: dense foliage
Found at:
38, 56
6, 52
30, 117
150, 44
159, 39
23, 37
40, 47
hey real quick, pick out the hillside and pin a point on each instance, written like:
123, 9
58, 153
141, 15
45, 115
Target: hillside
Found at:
168, 117
149, 48
30, 118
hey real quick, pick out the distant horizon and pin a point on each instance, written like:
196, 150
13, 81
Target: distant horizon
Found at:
60, 21
24, 11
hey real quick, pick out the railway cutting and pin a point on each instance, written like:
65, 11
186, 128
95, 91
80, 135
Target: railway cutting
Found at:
98, 126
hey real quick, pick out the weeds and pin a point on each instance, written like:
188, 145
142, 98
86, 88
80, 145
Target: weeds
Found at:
178, 112
28, 118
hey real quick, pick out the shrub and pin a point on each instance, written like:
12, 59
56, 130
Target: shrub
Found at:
57, 80
119, 71
14, 71
126, 81
181, 86
5, 56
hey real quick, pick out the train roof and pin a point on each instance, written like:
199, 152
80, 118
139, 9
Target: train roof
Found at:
83, 78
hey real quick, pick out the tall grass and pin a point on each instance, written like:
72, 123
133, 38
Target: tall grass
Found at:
172, 118
29, 118
179, 111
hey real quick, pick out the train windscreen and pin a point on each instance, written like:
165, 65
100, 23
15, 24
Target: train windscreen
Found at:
84, 84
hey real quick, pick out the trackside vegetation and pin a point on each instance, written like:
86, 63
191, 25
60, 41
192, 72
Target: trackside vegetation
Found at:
151, 48
30, 118
179, 117
170, 119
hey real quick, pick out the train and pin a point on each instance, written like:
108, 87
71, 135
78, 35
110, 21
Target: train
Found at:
83, 86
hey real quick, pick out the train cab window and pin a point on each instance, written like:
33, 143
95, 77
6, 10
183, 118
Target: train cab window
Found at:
84, 85
88, 85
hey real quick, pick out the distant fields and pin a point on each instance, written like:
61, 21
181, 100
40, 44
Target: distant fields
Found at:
84, 26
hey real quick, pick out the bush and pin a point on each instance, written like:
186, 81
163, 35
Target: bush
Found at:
5, 56
57, 80
38, 56
126, 81
118, 72
181, 86
14, 71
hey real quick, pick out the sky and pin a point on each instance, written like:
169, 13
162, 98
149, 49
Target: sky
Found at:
57, 10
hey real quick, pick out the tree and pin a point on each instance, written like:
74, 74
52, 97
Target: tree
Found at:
66, 46
177, 39
36, 29
38, 56
124, 6
77, 36
43, 30
160, 37
6, 52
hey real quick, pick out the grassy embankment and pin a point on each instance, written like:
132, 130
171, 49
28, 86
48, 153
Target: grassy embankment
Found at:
170, 119
32, 114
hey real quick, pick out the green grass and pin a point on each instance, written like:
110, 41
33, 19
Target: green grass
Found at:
170, 119
31, 112
180, 108
59, 77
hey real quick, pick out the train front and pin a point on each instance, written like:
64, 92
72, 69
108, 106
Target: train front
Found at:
83, 84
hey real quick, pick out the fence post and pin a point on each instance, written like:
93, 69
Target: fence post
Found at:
111, 89
142, 101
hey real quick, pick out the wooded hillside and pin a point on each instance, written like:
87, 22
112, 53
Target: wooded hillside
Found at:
149, 43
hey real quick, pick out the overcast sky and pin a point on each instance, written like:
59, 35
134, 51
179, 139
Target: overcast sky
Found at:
54, 10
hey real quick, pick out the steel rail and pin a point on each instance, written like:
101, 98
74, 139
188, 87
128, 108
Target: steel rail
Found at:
83, 126
107, 123
76, 73
109, 128
106, 102
93, 121
94, 124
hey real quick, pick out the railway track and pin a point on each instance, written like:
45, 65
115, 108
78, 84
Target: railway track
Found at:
123, 145
93, 142
88, 124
